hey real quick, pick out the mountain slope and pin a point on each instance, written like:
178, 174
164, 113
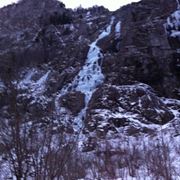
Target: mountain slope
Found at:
76, 84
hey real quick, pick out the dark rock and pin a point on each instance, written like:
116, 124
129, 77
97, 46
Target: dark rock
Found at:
144, 52
132, 131
124, 105
74, 101
119, 122
90, 145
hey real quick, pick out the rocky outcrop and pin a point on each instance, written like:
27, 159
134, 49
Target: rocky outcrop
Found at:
74, 101
114, 107
144, 53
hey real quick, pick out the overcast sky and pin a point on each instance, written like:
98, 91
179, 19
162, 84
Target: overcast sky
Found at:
110, 4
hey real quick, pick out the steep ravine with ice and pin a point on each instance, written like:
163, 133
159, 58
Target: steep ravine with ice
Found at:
89, 77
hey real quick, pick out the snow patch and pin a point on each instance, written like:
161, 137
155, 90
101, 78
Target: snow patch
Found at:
173, 23
34, 89
2, 86
171, 104
118, 30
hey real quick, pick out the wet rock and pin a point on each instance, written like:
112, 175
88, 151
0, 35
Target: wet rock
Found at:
119, 122
74, 101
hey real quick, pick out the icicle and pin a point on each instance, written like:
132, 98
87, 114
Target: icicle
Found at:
178, 4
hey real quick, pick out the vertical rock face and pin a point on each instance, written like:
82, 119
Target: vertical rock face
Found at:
145, 53
173, 31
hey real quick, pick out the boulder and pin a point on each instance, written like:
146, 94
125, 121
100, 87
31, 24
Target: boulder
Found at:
73, 101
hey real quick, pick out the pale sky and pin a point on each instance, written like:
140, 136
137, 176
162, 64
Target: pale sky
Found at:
110, 4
